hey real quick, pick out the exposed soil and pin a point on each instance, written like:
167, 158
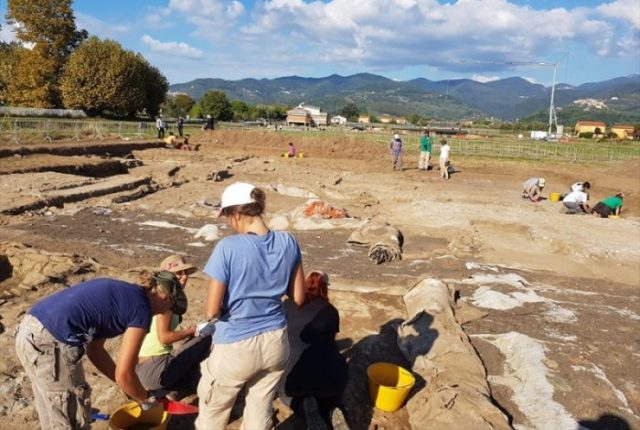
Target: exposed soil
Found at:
581, 300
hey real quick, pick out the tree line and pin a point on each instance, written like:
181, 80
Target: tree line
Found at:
55, 65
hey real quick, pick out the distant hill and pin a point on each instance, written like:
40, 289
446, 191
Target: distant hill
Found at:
508, 99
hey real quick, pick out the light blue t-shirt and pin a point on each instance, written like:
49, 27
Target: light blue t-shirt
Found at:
256, 271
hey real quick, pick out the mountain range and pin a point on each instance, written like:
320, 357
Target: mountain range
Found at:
511, 99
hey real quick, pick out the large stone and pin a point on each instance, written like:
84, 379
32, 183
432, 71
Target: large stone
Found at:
33, 280
457, 394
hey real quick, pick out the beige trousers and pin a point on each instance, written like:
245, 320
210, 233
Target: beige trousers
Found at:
423, 161
62, 395
256, 363
444, 169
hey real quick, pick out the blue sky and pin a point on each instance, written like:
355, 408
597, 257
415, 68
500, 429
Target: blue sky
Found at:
401, 39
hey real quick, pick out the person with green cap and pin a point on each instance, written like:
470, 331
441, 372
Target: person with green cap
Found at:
59, 330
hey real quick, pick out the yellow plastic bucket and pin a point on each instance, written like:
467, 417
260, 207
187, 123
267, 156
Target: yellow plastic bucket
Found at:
131, 414
389, 385
554, 197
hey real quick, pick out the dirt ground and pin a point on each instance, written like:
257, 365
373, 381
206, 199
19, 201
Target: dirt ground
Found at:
560, 340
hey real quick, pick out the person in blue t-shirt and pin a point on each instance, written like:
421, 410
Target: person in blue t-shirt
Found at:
250, 273
59, 330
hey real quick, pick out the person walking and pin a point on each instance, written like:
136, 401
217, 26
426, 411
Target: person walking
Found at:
396, 152
444, 159
249, 274
424, 147
57, 331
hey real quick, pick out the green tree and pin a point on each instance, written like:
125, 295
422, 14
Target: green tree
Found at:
374, 119
350, 111
49, 28
183, 104
9, 54
155, 86
101, 76
240, 110
216, 104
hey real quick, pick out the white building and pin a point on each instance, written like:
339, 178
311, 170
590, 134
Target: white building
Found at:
307, 116
338, 120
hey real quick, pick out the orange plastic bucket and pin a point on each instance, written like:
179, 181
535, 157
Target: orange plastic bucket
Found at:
389, 385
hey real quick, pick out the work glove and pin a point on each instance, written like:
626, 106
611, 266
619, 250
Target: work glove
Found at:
206, 328
150, 403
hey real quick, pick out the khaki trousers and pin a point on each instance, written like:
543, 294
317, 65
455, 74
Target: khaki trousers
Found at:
444, 169
256, 363
423, 161
62, 395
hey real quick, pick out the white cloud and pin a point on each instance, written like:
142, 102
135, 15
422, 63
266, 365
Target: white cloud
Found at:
99, 27
463, 37
626, 10
484, 79
7, 33
179, 49
211, 17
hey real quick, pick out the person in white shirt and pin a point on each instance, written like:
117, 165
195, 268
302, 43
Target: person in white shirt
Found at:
444, 159
576, 203
532, 189
581, 186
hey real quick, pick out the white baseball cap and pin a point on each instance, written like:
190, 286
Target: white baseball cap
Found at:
541, 182
396, 136
236, 194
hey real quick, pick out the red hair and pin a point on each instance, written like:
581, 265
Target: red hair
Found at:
316, 287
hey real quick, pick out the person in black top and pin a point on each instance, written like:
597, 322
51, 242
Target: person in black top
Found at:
317, 374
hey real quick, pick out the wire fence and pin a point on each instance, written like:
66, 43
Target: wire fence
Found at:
527, 149
37, 130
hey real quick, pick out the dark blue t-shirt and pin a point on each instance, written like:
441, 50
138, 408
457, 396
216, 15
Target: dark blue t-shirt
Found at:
97, 309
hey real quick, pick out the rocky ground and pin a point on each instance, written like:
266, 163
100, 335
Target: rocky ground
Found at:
559, 338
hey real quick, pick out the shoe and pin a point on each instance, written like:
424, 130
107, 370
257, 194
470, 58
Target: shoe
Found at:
338, 421
312, 414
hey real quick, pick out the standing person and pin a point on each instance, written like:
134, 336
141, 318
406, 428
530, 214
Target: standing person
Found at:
59, 330
610, 206
180, 124
576, 203
425, 151
444, 159
210, 124
532, 189
317, 373
160, 365
160, 126
250, 272
396, 152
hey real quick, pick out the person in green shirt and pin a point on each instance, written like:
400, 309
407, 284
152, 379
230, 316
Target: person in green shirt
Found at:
610, 206
424, 146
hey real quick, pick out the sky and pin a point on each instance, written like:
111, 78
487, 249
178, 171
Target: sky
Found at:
580, 40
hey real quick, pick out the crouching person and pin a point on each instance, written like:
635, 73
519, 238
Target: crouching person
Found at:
161, 365
59, 330
576, 203
317, 374
609, 206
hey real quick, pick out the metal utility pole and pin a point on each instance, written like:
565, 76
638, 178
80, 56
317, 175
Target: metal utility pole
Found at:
553, 119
